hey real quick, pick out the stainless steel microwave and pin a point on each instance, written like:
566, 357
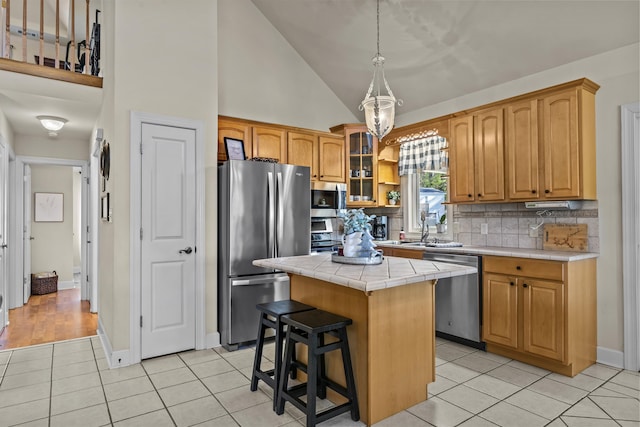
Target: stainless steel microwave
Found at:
327, 198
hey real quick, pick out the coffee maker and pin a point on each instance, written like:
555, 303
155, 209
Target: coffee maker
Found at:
380, 229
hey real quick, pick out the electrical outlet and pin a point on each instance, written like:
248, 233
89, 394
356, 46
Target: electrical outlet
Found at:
533, 231
484, 228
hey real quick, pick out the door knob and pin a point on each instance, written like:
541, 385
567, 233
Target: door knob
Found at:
3, 246
31, 238
186, 250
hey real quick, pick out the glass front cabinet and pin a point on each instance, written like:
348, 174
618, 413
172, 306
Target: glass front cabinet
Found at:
362, 150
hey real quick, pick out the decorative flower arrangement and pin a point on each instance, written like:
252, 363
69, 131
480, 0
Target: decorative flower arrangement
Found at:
356, 220
393, 195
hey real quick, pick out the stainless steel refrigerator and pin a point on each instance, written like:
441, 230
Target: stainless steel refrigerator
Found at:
263, 212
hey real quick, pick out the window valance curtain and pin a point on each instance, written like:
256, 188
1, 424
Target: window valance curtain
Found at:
424, 154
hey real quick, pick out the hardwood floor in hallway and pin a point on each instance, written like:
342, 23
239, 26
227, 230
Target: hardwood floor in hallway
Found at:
48, 318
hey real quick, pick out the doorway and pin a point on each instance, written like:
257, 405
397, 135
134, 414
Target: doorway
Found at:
48, 243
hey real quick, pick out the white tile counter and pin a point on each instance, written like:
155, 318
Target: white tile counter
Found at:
392, 272
499, 251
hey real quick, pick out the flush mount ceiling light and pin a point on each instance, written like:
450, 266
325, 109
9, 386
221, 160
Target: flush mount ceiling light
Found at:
52, 124
379, 108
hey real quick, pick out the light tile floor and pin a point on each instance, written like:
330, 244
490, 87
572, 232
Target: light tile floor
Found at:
69, 384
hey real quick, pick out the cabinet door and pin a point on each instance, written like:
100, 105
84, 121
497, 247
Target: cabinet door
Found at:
500, 310
270, 142
461, 160
488, 148
561, 162
363, 165
236, 130
302, 150
522, 150
543, 318
331, 162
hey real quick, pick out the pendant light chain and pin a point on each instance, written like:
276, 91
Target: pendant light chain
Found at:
378, 25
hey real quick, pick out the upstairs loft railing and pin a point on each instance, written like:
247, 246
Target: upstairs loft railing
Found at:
38, 52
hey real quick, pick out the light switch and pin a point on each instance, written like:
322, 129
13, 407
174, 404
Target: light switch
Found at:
484, 228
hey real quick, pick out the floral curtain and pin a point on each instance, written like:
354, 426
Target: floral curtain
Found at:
425, 154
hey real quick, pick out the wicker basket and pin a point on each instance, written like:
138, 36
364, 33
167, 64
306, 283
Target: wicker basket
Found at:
44, 283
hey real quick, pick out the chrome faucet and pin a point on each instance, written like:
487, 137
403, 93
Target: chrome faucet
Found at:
424, 235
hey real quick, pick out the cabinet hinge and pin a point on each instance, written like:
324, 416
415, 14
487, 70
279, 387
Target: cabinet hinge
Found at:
141, 148
87, 278
87, 179
141, 233
141, 321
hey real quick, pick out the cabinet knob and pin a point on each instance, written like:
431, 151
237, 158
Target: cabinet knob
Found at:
479, 195
518, 267
533, 191
524, 285
547, 191
469, 195
511, 284
321, 176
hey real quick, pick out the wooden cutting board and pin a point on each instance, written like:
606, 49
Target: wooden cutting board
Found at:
565, 237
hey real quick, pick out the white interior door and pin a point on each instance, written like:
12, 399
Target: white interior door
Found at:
3, 236
26, 234
168, 199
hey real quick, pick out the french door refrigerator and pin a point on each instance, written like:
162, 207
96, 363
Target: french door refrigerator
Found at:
263, 212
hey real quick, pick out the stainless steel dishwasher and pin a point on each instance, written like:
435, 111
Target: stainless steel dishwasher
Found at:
459, 301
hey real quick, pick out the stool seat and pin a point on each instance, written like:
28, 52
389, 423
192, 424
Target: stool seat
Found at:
309, 328
274, 309
280, 308
318, 321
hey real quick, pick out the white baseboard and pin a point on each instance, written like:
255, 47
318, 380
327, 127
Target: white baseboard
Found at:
115, 359
212, 340
606, 356
66, 284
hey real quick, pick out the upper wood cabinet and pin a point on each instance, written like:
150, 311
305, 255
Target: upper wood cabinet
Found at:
461, 160
323, 154
331, 160
476, 157
270, 142
302, 150
523, 182
488, 148
361, 152
233, 129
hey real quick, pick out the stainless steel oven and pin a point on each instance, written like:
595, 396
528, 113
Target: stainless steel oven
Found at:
323, 234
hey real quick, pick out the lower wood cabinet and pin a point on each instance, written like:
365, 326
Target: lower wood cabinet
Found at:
402, 252
541, 312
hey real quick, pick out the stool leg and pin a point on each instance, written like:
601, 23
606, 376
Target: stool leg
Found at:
322, 372
284, 375
312, 379
348, 373
277, 372
294, 370
258, 358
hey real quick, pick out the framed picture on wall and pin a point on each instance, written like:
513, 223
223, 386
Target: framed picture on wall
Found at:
234, 148
48, 207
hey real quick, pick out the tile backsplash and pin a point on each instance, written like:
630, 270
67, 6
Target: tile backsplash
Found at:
508, 224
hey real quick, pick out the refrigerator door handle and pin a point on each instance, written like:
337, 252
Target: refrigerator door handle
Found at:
271, 217
279, 212
249, 282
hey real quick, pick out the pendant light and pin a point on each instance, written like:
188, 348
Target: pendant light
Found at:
379, 108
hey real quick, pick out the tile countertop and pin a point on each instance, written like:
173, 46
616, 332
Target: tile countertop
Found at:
498, 251
392, 272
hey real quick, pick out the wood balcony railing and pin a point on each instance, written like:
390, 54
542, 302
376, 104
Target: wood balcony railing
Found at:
38, 52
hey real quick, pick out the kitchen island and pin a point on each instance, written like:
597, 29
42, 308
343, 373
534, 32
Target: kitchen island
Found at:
392, 338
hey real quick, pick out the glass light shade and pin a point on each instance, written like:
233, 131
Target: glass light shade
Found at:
379, 114
52, 123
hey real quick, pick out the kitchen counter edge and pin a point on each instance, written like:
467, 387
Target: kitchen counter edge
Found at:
500, 251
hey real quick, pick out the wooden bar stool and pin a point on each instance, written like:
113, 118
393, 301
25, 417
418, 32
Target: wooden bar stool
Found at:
275, 310
309, 328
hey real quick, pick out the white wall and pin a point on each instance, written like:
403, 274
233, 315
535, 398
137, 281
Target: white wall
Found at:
617, 73
52, 247
43, 146
156, 63
261, 77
